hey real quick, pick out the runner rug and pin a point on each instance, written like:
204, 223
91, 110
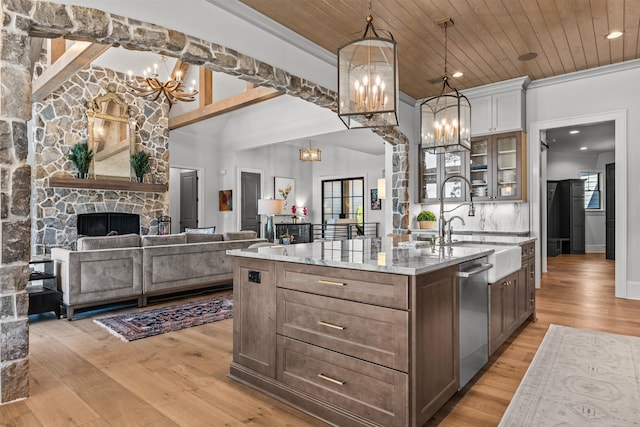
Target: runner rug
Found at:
579, 378
143, 324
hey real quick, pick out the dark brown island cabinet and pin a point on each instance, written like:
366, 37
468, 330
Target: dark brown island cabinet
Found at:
351, 347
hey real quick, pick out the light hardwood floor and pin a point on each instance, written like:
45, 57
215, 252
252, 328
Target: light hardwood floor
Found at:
82, 375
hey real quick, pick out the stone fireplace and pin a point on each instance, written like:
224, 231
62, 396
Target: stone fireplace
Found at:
60, 122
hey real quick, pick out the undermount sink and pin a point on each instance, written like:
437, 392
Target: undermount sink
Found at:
505, 259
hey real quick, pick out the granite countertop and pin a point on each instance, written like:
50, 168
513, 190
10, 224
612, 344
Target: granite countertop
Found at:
370, 254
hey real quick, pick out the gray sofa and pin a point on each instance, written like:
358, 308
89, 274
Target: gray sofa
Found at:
117, 268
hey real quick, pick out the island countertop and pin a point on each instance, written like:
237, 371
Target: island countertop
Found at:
369, 254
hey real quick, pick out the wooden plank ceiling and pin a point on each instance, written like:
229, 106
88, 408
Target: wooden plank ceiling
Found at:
485, 42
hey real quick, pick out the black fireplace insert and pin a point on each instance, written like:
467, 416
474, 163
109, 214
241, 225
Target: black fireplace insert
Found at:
101, 224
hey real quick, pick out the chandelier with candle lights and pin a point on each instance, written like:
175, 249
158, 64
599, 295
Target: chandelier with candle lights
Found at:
445, 120
150, 87
368, 80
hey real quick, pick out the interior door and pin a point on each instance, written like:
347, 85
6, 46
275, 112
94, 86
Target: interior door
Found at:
249, 195
610, 211
188, 200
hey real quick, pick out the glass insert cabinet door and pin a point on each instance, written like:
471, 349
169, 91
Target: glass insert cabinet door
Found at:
506, 155
497, 166
479, 168
435, 169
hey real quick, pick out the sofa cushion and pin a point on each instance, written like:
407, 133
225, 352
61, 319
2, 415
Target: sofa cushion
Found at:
201, 230
240, 235
200, 238
108, 242
167, 239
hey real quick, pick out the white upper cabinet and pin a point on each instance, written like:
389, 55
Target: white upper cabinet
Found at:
498, 107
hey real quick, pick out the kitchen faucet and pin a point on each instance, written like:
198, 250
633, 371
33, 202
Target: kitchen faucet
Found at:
443, 222
449, 226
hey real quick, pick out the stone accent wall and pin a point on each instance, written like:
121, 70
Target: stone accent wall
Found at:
23, 19
60, 121
15, 187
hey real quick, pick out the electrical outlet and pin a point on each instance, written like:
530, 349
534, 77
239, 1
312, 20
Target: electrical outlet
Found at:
254, 276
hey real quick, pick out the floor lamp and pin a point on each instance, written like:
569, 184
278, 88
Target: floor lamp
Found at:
269, 207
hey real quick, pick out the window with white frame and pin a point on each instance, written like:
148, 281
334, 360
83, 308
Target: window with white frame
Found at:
592, 186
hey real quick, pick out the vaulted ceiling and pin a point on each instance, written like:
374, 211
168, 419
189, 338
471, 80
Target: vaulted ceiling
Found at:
486, 41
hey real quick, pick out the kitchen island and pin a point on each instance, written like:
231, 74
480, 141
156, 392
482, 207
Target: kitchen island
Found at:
355, 332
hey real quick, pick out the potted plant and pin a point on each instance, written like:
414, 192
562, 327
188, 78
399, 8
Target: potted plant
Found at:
81, 156
286, 238
426, 220
140, 164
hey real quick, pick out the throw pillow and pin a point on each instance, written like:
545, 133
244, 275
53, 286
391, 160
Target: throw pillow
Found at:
108, 242
167, 239
201, 238
201, 230
240, 235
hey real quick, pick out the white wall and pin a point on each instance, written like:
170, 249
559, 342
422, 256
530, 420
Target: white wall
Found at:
193, 152
601, 93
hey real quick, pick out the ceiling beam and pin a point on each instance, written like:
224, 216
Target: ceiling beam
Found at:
55, 49
78, 56
206, 87
227, 105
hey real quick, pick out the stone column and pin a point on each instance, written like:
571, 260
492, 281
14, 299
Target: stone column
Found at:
15, 191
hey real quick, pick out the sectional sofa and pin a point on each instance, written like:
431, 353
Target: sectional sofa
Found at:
130, 267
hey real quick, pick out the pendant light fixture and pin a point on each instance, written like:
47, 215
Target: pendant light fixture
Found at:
368, 80
310, 154
445, 120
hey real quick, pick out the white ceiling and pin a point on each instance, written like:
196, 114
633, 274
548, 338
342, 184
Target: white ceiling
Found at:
598, 138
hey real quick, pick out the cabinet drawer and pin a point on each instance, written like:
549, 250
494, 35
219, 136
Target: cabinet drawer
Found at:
376, 334
528, 250
376, 393
384, 289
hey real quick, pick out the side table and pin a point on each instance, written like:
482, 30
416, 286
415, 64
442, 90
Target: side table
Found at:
44, 297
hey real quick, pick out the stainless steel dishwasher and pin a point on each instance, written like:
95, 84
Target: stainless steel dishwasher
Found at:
474, 308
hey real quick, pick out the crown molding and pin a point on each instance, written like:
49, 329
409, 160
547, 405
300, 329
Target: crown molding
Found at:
583, 74
276, 29
255, 18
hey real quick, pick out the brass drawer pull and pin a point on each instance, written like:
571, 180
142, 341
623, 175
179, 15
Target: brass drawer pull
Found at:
331, 380
328, 282
331, 325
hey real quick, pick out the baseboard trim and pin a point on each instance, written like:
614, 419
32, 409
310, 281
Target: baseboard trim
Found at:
633, 290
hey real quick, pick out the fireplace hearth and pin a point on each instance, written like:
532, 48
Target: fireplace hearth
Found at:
101, 224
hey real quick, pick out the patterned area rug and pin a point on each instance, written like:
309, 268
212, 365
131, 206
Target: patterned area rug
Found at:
579, 378
134, 326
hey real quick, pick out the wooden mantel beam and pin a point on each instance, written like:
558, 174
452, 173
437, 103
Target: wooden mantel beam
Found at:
244, 99
78, 56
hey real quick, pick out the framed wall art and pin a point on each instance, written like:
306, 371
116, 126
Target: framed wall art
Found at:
376, 204
225, 197
285, 189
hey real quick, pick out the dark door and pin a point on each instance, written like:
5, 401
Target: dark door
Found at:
188, 200
577, 217
249, 194
610, 211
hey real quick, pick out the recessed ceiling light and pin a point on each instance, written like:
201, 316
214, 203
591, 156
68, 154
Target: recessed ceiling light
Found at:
583, 148
614, 35
457, 74
573, 132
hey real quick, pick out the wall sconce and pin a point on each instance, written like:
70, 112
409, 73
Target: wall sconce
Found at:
382, 188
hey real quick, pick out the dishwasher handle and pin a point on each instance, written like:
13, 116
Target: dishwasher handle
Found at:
480, 269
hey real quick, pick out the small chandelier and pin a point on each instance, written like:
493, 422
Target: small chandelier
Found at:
310, 154
445, 120
368, 80
151, 87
